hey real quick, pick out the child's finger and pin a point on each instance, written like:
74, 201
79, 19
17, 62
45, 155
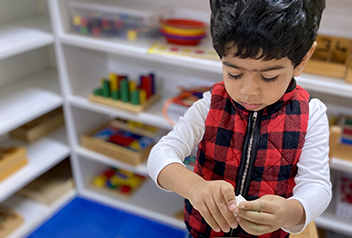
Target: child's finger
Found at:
216, 214
260, 205
207, 215
255, 216
252, 228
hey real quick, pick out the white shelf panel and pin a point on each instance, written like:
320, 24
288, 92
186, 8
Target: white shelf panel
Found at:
27, 99
152, 116
140, 169
34, 213
138, 49
42, 155
325, 84
329, 221
341, 164
25, 35
148, 201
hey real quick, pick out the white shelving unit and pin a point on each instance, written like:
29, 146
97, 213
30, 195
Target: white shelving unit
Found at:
84, 60
29, 88
29, 42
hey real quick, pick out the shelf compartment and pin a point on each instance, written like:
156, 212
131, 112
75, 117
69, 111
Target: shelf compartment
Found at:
329, 221
148, 200
33, 212
42, 155
25, 35
28, 98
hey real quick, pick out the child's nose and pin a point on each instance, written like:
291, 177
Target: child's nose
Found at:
250, 86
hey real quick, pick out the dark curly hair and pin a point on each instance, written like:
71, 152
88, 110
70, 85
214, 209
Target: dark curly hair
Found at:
265, 29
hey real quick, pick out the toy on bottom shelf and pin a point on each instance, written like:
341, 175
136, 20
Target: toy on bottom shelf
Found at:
120, 181
118, 91
10, 220
11, 160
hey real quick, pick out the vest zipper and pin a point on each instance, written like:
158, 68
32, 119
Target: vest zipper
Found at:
250, 147
249, 152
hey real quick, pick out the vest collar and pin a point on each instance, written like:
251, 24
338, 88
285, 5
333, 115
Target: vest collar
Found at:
275, 107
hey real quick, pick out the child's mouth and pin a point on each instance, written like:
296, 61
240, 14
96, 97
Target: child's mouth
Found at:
250, 106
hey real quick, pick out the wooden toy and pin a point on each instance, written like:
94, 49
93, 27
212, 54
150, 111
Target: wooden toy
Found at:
184, 51
341, 139
116, 141
39, 127
11, 160
49, 187
332, 57
118, 181
118, 91
10, 220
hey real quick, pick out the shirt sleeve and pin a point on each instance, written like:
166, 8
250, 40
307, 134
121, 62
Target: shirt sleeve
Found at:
313, 186
178, 143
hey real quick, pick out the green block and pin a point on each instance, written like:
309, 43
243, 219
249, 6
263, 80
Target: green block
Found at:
135, 97
106, 88
348, 122
124, 90
115, 95
98, 92
84, 30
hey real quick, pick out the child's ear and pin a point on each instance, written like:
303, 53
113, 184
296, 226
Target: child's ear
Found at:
299, 69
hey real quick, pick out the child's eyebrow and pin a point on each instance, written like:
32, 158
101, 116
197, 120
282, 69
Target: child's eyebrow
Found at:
271, 68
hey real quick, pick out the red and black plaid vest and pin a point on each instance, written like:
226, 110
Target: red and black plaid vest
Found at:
278, 138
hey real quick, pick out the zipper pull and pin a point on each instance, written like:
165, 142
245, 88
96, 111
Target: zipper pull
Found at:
254, 117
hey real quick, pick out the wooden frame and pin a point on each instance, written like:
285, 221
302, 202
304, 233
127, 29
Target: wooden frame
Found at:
39, 127
124, 105
11, 160
10, 220
114, 151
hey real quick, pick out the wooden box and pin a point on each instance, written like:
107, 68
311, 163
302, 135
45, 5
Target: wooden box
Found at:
10, 220
11, 160
50, 186
122, 153
39, 127
331, 57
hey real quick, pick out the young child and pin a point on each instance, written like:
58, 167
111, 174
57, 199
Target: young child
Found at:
259, 134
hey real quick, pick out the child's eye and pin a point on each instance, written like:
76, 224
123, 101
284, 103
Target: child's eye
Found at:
235, 76
269, 79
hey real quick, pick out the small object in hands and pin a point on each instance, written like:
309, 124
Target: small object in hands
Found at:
240, 199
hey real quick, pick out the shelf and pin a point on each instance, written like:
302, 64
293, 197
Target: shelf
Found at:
329, 221
34, 213
100, 158
42, 155
325, 84
152, 116
148, 201
341, 164
24, 35
27, 99
138, 49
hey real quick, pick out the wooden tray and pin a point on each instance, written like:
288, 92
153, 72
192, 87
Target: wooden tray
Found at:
11, 160
124, 105
332, 57
49, 187
39, 127
112, 150
10, 220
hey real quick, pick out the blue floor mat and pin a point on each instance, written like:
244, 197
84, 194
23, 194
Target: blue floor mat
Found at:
82, 218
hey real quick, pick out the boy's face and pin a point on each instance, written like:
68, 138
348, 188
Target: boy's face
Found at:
255, 83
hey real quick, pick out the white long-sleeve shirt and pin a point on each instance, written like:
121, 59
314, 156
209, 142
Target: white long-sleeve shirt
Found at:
313, 186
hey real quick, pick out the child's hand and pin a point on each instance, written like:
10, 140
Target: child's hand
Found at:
216, 201
267, 214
